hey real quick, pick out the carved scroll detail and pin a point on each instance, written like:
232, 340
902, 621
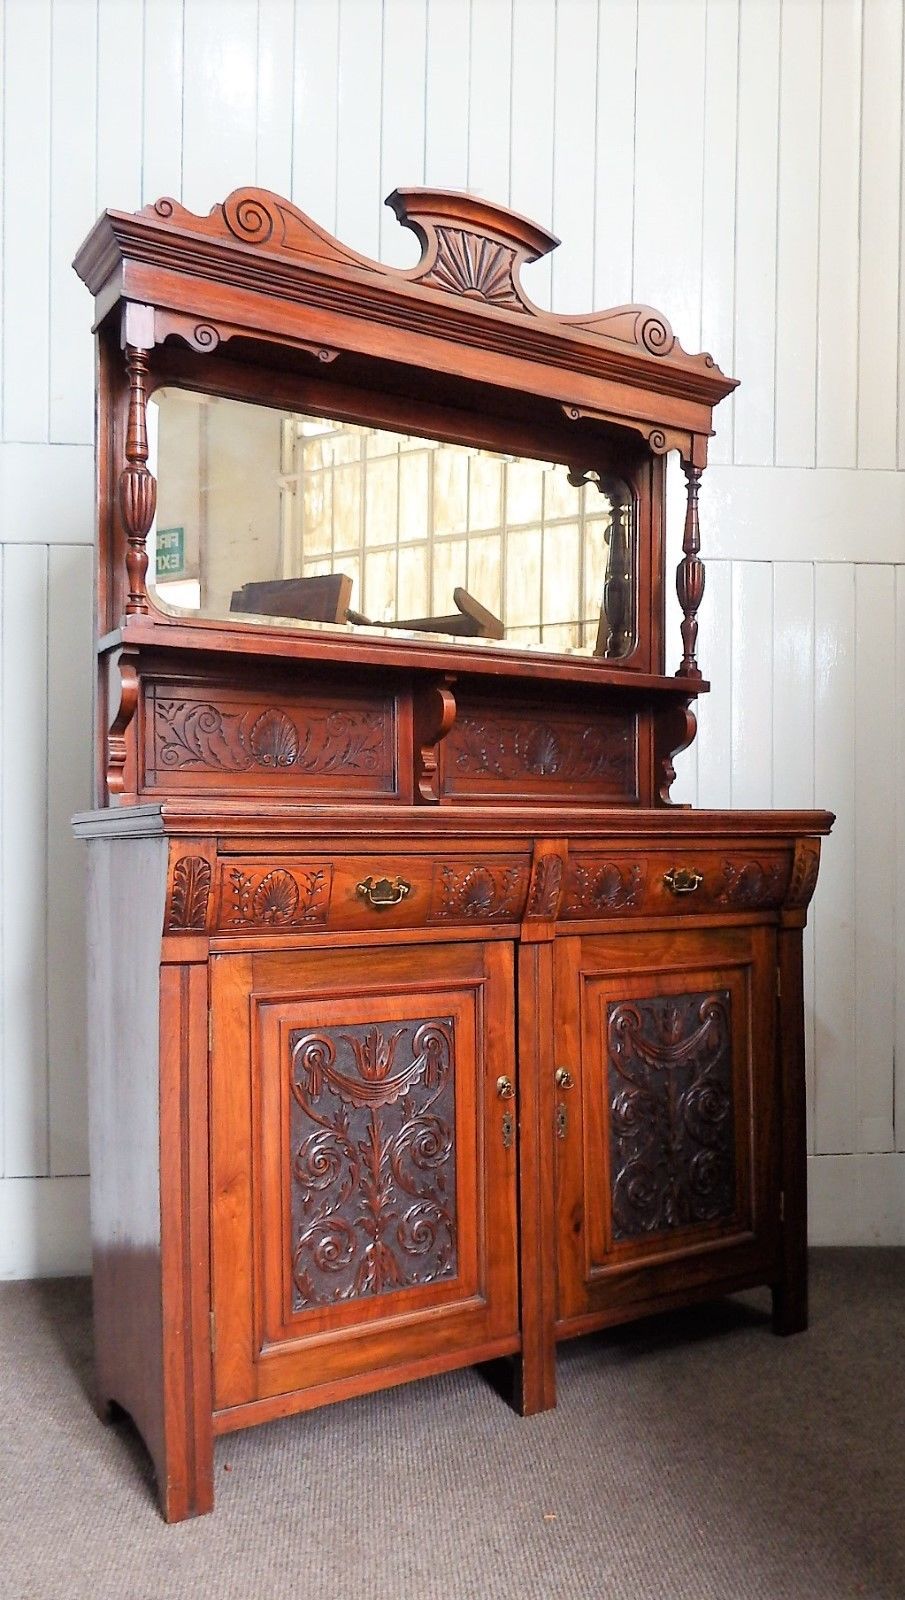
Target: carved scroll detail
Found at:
117, 746
672, 1137
198, 735
373, 1159
189, 895
137, 485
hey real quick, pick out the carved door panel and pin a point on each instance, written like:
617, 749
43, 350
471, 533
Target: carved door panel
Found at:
666, 1138
363, 1167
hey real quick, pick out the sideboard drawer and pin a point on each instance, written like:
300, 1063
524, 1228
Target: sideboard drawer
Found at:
605, 884
368, 893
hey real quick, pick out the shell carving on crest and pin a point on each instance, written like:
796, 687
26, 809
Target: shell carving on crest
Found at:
478, 269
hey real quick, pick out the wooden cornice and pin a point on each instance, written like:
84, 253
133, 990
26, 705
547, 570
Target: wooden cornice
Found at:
465, 290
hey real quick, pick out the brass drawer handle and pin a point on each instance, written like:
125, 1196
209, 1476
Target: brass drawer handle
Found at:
381, 893
563, 1078
505, 1088
683, 880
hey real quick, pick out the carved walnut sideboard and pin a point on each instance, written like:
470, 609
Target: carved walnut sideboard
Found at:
425, 1030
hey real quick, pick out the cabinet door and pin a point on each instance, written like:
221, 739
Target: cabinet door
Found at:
666, 1137
363, 1169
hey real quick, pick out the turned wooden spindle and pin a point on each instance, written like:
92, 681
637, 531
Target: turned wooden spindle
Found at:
617, 596
690, 577
137, 485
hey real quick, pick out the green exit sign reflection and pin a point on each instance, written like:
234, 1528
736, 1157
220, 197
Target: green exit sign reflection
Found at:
170, 552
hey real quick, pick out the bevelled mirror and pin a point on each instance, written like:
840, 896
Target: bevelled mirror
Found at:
277, 517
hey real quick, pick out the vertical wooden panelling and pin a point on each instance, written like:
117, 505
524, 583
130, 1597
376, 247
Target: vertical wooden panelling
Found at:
531, 175
446, 102
120, 95
669, 142
875, 846
70, 676
273, 131
26, 220
219, 106
23, 766
752, 683
315, 110
878, 298
614, 164
402, 119
755, 229
796, 241
718, 203
162, 93
489, 97
360, 86
714, 740
72, 179
574, 131
837, 259
834, 909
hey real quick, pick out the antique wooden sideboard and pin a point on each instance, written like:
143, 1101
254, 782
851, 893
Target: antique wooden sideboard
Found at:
425, 1030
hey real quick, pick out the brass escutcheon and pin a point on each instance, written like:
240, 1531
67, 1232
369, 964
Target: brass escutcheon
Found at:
381, 893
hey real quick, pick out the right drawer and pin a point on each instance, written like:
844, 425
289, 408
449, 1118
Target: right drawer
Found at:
602, 883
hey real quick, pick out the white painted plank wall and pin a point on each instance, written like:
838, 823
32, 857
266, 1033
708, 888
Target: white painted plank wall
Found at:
739, 163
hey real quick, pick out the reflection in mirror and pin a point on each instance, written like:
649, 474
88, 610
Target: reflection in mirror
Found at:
274, 515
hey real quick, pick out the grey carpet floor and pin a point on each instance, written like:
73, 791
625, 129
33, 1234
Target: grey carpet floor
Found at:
691, 1457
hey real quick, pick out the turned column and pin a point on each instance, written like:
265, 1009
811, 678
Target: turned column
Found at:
690, 576
137, 485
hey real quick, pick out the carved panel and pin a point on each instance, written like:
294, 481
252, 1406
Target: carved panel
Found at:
545, 751
805, 867
672, 1147
751, 884
373, 1185
479, 269
240, 737
599, 888
189, 894
275, 897
546, 884
469, 892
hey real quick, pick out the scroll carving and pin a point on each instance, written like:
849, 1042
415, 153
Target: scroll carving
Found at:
565, 749
189, 895
200, 735
479, 893
674, 731
206, 337
672, 1136
117, 746
373, 1182
137, 485
435, 714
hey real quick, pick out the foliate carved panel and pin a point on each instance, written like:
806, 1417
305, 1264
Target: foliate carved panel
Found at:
599, 888
542, 752
475, 892
672, 1137
803, 880
189, 893
753, 885
244, 738
546, 883
373, 1185
275, 897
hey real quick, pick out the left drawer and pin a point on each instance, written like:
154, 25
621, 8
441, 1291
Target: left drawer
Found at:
367, 893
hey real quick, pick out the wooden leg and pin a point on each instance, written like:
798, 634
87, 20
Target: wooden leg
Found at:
790, 1292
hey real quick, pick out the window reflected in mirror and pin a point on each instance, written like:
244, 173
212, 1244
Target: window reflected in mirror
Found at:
275, 516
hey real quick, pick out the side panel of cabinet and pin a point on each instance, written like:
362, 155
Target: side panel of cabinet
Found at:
363, 1169
666, 1141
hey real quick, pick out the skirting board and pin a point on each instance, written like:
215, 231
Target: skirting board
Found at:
44, 1226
